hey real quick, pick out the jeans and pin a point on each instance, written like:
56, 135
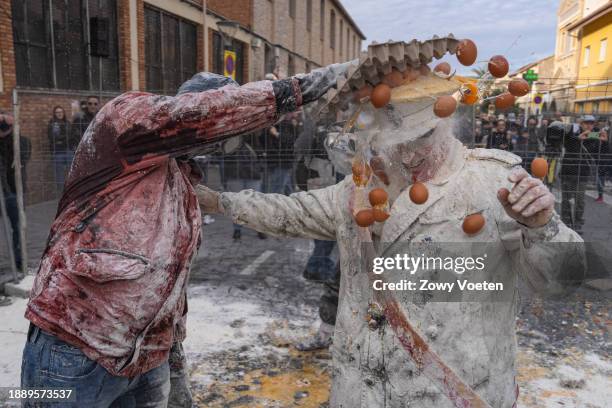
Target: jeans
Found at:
280, 180
49, 362
320, 266
10, 200
573, 187
236, 185
62, 162
601, 181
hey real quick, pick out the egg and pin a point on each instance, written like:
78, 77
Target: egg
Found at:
504, 101
424, 69
365, 218
363, 92
381, 95
472, 224
378, 196
361, 172
393, 78
466, 52
418, 193
498, 66
539, 167
378, 168
445, 106
443, 67
380, 215
518, 87
411, 73
469, 94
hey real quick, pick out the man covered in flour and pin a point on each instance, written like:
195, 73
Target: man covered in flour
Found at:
422, 354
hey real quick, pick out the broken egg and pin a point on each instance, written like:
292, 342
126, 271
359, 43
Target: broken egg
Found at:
539, 167
381, 95
466, 52
469, 94
365, 218
473, 223
418, 193
361, 172
498, 66
518, 87
378, 196
444, 106
378, 168
504, 101
443, 67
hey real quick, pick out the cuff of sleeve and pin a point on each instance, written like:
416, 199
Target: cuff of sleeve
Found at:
288, 95
543, 233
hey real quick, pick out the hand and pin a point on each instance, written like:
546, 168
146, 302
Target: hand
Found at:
530, 202
583, 135
209, 200
603, 136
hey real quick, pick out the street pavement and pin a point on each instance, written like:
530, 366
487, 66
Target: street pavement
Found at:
248, 304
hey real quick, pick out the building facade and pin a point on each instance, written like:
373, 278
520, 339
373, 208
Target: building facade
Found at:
541, 88
594, 79
58, 52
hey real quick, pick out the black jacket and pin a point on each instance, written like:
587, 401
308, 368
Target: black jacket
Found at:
7, 172
61, 137
582, 156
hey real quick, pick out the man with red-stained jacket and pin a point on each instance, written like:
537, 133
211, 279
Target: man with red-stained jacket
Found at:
109, 298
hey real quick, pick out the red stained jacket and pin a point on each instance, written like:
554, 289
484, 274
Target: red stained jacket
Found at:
112, 279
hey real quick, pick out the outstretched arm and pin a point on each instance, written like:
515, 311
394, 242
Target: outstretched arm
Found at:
312, 214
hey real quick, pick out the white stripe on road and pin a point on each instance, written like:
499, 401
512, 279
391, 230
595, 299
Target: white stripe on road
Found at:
250, 270
594, 194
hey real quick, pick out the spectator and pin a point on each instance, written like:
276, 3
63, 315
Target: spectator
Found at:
499, 137
62, 144
7, 177
581, 149
242, 171
603, 159
280, 155
80, 123
541, 133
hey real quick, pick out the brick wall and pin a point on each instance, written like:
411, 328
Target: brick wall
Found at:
123, 35
141, 44
237, 10
7, 54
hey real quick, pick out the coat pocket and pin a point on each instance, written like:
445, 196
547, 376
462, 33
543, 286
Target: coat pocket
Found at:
105, 264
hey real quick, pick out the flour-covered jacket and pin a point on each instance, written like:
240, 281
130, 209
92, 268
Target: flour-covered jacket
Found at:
476, 339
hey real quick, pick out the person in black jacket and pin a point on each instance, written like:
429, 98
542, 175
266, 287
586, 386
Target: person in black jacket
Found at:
7, 177
62, 143
499, 137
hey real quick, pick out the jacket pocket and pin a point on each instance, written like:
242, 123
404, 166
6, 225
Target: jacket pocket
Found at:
106, 264
69, 363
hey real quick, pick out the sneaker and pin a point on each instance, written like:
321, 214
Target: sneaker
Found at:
599, 199
237, 235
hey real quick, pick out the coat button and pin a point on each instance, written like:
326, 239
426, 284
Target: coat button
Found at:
80, 227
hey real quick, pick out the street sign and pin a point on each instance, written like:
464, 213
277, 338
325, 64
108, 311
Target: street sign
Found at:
538, 99
530, 76
229, 64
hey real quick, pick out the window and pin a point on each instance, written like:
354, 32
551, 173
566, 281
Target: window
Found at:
341, 31
332, 30
292, 8
309, 15
355, 46
51, 40
348, 36
291, 66
218, 57
595, 108
603, 49
269, 60
322, 27
587, 56
170, 51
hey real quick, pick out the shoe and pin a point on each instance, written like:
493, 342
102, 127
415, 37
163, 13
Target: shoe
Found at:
599, 199
237, 235
261, 235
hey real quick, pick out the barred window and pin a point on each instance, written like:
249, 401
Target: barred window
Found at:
170, 50
52, 38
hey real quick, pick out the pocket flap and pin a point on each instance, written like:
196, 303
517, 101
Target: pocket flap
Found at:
105, 265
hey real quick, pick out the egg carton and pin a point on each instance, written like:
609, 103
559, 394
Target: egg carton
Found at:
379, 60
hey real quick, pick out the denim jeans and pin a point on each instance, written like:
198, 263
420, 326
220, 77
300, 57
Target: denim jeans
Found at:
62, 162
10, 200
49, 362
320, 266
280, 180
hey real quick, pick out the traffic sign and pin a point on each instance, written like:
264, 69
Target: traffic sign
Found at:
538, 99
229, 64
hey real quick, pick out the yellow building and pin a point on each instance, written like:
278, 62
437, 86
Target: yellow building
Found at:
594, 62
